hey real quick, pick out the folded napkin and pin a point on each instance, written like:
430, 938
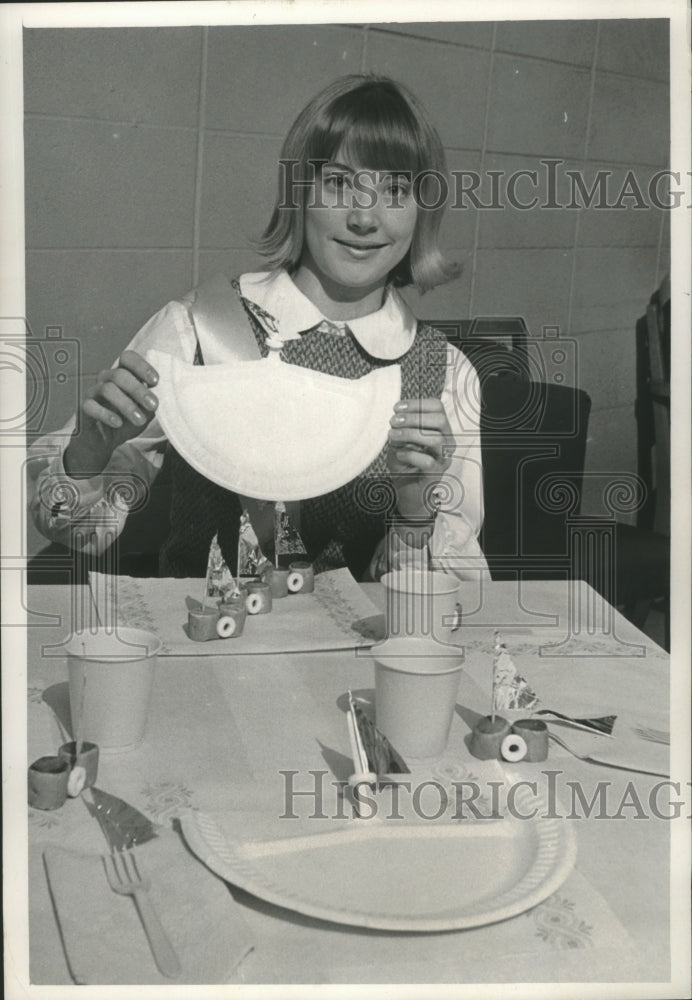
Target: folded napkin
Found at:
103, 936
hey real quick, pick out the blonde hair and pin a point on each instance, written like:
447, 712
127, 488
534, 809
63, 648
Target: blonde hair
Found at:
383, 127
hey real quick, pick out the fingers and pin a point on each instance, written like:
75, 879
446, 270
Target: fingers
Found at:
412, 460
426, 405
430, 441
133, 362
121, 396
421, 438
421, 414
91, 408
124, 401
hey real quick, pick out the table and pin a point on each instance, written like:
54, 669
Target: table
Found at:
218, 721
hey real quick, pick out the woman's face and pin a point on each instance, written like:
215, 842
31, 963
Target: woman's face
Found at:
359, 225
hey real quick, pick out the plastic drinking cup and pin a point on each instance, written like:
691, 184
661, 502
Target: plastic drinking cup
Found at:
111, 675
422, 604
416, 684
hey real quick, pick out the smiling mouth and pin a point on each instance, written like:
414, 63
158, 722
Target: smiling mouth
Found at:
360, 246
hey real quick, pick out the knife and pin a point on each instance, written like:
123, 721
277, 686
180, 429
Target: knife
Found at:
122, 825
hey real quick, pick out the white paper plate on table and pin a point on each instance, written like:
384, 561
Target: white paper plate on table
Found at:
271, 430
422, 877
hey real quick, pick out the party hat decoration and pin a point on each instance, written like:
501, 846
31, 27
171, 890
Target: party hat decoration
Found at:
287, 540
251, 559
219, 577
510, 690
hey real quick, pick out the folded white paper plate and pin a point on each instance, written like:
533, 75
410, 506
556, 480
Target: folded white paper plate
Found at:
274, 431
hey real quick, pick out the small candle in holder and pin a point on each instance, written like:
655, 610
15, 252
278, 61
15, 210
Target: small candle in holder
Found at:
534, 732
259, 598
487, 737
302, 578
88, 758
201, 625
231, 620
47, 782
278, 582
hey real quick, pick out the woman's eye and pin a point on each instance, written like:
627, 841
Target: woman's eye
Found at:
399, 189
335, 181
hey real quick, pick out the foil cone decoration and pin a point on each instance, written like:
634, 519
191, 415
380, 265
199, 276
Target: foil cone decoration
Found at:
288, 544
510, 690
219, 577
251, 559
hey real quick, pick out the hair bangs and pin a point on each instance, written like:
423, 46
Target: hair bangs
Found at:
374, 129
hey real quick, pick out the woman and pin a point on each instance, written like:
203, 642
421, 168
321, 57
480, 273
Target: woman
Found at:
350, 225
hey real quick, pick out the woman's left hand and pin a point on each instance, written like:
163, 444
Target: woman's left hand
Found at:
420, 439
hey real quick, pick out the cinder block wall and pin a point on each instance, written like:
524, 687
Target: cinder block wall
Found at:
151, 160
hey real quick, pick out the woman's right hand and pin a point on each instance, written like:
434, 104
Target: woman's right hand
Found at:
116, 408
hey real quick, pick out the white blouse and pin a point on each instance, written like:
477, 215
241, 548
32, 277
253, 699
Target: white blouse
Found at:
387, 333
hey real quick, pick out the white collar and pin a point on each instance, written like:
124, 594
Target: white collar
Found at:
386, 334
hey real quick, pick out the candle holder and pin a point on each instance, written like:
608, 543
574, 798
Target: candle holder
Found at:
534, 732
47, 782
88, 758
232, 615
278, 582
487, 737
201, 625
301, 579
259, 598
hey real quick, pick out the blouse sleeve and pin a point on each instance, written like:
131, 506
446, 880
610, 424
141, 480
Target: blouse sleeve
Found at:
453, 546
88, 514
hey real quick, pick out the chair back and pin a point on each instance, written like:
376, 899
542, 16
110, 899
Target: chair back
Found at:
496, 345
533, 442
652, 410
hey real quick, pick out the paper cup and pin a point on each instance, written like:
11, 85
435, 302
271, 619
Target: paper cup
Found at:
421, 604
111, 673
416, 684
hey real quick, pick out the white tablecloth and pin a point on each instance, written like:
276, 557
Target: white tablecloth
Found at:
220, 726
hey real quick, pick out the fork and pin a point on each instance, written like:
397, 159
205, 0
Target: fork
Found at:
124, 878
579, 756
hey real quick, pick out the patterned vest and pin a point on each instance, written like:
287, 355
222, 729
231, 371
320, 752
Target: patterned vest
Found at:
339, 528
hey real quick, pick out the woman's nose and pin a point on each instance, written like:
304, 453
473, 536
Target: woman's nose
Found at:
362, 219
